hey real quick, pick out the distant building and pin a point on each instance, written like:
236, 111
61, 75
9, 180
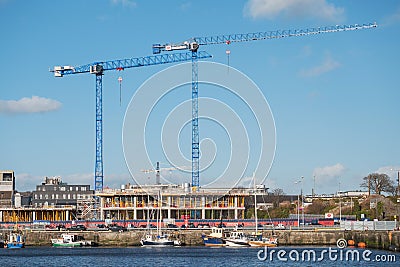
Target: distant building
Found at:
53, 192
7, 188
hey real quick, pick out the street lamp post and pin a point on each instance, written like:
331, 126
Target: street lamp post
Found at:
298, 203
340, 204
302, 201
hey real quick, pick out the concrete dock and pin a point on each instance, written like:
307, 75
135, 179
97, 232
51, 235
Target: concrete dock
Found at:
373, 239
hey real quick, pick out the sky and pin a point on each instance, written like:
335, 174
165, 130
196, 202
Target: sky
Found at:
327, 112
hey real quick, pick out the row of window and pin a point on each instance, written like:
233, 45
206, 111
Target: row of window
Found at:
61, 196
65, 188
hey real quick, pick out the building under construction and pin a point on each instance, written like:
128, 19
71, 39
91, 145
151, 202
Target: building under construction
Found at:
132, 202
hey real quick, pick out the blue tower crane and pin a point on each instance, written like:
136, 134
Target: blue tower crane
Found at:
194, 43
98, 68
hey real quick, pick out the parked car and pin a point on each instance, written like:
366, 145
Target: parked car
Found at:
101, 227
280, 226
131, 227
190, 225
171, 225
117, 228
221, 225
203, 225
77, 227
61, 227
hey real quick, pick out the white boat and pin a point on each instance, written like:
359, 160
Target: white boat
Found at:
159, 239
69, 240
237, 239
151, 240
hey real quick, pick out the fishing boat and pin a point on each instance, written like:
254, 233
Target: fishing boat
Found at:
215, 238
237, 238
15, 240
68, 240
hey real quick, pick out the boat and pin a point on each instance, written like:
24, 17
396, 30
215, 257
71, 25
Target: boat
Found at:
237, 238
159, 239
71, 240
256, 239
15, 240
215, 238
151, 240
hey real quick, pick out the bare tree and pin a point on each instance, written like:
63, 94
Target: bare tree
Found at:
278, 192
378, 183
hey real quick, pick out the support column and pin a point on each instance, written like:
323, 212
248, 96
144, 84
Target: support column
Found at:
135, 208
169, 207
236, 207
102, 208
203, 207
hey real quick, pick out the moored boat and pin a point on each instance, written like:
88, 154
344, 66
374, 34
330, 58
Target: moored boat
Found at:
237, 239
69, 240
15, 240
157, 241
257, 240
215, 238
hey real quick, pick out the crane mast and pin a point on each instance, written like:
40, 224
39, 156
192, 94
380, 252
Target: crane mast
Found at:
194, 43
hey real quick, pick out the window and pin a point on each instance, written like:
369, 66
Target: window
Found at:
74, 196
7, 177
69, 196
62, 188
52, 196
36, 196
46, 196
40, 196
71, 188
56, 196
83, 188
64, 196
77, 188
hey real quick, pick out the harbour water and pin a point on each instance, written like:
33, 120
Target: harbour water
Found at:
193, 256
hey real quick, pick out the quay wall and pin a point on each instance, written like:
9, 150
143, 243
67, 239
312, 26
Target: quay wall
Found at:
373, 239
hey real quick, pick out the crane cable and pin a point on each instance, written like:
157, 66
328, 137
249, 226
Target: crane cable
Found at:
228, 52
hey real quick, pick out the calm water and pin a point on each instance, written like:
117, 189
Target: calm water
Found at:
177, 256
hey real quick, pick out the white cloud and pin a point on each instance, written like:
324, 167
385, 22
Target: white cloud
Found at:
271, 9
328, 172
327, 65
26, 182
35, 104
124, 3
389, 170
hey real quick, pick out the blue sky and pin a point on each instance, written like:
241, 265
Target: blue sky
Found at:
334, 97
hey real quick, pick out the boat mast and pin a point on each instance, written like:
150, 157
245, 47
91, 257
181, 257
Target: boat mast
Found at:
255, 202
